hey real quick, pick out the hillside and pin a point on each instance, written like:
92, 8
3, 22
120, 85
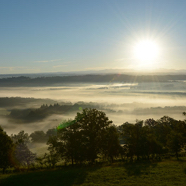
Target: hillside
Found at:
46, 81
167, 173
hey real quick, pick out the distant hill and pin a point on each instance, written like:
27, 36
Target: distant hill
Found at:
107, 78
100, 72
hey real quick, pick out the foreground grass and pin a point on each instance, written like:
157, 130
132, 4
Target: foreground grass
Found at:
169, 172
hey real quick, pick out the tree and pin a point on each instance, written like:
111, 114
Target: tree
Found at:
66, 143
21, 137
38, 137
175, 142
23, 156
84, 138
153, 145
141, 140
51, 132
133, 135
163, 128
49, 160
111, 146
6, 150
93, 125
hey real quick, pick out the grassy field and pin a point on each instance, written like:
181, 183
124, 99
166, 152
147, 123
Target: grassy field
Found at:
167, 172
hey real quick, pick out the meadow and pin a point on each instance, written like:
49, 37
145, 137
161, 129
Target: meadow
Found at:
165, 173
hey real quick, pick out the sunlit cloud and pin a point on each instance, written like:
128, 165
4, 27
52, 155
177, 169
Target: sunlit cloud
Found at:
57, 66
95, 68
48, 61
123, 59
55, 60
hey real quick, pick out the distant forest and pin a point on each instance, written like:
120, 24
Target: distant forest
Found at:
31, 114
21, 110
45, 81
27, 110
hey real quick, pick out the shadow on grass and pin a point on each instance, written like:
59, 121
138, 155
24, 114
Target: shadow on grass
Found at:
65, 176
184, 170
138, 168
180, 160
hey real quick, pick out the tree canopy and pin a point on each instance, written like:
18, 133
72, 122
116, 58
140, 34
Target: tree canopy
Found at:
6, 150
88, 135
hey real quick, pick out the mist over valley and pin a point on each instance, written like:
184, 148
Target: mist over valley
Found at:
22, 107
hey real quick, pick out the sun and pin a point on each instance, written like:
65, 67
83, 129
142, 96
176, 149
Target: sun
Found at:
146, 51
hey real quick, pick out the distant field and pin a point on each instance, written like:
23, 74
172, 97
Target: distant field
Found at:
165, 173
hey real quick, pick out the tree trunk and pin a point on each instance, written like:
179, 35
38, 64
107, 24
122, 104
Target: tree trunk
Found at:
4, 170
112, 159
177, 155
72, 161
137, 157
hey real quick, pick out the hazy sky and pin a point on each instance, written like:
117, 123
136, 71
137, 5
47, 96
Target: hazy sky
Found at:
70, 35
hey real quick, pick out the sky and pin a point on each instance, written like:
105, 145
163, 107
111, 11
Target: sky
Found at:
79, 35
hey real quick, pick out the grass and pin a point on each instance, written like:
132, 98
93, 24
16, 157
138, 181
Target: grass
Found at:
165, 173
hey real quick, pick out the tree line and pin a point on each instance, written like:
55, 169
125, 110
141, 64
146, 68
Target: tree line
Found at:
92, 137
38, 114
46, 81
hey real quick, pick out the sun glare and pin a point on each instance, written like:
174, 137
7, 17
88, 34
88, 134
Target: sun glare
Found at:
146, 51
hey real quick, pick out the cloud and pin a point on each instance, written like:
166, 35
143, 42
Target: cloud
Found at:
123, 59
41, 61
55, 60
13, 68
18, 69
57, 66
95, 68
7, 68
48, 61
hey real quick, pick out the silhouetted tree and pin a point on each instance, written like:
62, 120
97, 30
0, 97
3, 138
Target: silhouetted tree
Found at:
93, 125
21, 137
51, 132
134, 138
84, 138
48, 159
111, 146
153, 145
38, 137
23, 156
6, 150
175, 142
140, 140
67, 143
